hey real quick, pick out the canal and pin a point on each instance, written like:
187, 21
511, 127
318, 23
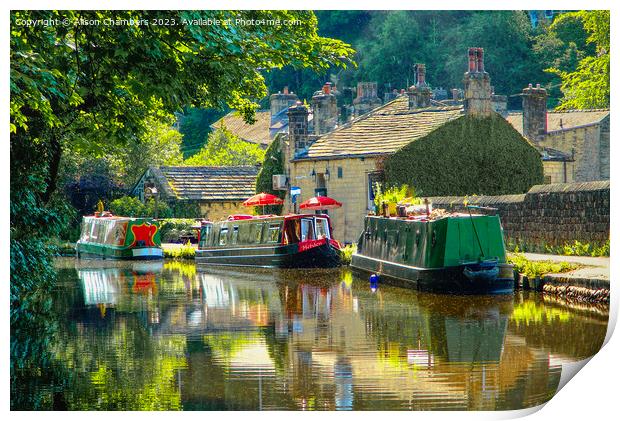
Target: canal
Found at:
166, 336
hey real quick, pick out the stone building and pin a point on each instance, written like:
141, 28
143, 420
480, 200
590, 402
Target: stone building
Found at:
346, 162
268, 122
574, 144
208, 192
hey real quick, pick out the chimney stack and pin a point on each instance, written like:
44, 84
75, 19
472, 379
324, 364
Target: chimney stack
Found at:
297, 129
367, 98
278, 103
534, 112
477, 85
420, 94
324, 110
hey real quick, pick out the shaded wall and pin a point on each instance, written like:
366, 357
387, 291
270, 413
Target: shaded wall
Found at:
548, 214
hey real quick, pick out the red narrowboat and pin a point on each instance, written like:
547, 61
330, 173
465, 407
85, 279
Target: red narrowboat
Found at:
290, 241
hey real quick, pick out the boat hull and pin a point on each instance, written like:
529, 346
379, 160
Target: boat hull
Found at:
97, 251
277, 256
439, 280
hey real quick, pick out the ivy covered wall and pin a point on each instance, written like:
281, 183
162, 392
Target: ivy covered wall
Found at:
467, 156
273, 164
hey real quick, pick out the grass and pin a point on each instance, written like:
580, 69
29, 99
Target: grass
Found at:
346, 253
577, 248
533, 269
186, 251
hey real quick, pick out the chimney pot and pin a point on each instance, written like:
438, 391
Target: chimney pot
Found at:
480, 66
538, 86
286, 90
472, 60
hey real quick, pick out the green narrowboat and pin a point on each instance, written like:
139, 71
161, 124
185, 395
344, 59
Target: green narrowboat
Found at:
456, 253
114, 237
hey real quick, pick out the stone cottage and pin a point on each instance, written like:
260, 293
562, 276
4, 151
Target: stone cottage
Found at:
574, 144
208, 192
346, 162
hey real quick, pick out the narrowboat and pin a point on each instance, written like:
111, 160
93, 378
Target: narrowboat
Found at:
290, 241
114, 237
455, 253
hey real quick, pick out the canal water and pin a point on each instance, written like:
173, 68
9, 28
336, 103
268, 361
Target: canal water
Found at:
169, 336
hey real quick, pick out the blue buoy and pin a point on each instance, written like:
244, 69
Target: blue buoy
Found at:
374, 282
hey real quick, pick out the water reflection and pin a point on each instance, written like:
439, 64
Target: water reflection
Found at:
168, 337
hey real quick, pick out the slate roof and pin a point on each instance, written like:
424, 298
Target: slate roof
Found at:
254, 133
207, 183
381, 131
568, 119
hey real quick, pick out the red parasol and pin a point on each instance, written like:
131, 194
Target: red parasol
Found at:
263, 199
320, 203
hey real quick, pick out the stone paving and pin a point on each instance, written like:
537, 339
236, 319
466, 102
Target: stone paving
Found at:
594, 274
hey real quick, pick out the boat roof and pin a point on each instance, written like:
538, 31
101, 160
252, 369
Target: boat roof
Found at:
117, 218
237, 218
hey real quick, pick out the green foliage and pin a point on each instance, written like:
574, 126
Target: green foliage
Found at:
469, 155
195, 126
577, 248
272, 164
588, 86
224, 148
186, 251
132, 206
393, 194
171, 230
533, 269
346, 253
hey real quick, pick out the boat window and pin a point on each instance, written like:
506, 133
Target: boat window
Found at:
93, 231
322, 228
223, 236
307, 229
235, 235
292, 231
204, 235
258, 234
274, 233
120, 233
85, 230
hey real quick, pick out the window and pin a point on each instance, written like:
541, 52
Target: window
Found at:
235, 235
307, 229
258, 234
204, 235
93, 231
322, 228
339, 172
274, 233
223, 236
85, 230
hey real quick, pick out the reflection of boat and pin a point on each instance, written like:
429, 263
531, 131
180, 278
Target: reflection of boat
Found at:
291, 241
458, 253
105, 285
114, 237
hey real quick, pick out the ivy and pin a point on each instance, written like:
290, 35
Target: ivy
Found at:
469, 155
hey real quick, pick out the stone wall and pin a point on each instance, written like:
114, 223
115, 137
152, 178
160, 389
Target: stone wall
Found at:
548, 214
217, 211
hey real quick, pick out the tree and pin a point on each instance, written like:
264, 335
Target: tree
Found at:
224, 148
588, 85
195, 126
273, 164
92, 89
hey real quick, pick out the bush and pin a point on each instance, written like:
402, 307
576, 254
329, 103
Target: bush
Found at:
186, 251
466, 156
132, 206
272, 165
172, 230
346, 253
533, 269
